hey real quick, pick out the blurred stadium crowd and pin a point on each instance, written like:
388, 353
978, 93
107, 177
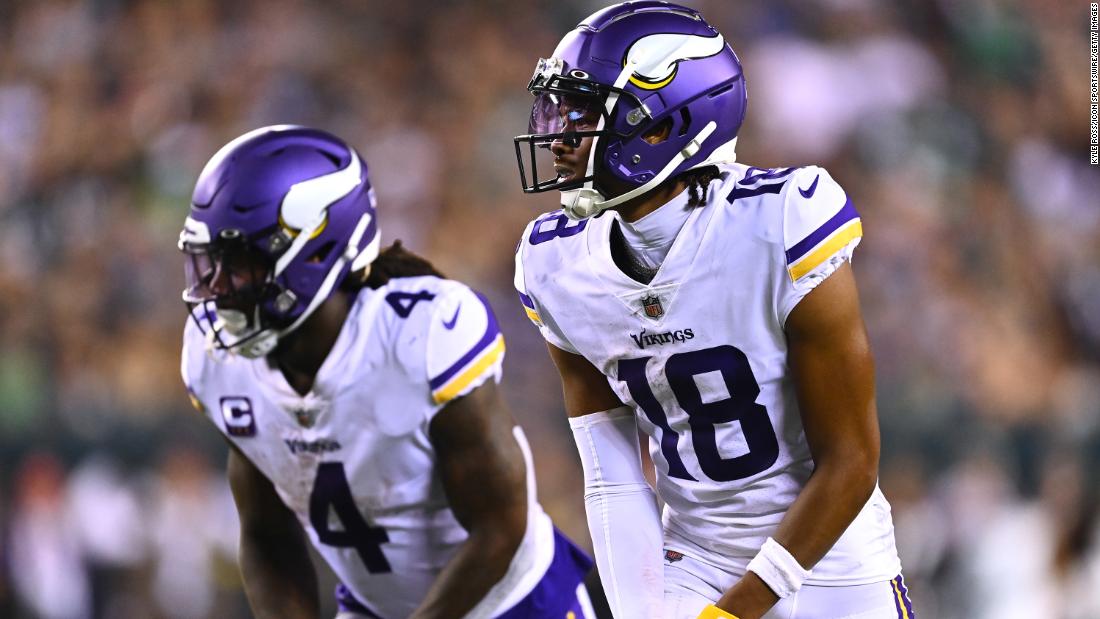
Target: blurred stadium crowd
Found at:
958, 127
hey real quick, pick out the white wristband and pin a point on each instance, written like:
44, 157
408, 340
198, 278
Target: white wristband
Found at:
778, 569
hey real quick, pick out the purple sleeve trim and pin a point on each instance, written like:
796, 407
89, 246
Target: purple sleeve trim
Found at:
801, 248
491, 332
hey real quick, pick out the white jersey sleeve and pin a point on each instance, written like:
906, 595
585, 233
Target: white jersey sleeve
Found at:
821, 229
464, 346
549, 329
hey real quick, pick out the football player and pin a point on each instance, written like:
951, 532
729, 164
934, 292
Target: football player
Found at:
357, 390
712, 305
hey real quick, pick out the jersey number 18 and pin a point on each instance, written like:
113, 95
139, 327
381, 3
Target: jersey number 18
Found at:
681, 370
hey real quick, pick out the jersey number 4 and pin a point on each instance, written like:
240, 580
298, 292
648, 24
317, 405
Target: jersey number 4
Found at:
681, 371
331, 492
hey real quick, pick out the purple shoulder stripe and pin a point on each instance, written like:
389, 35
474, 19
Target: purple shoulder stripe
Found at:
491, 332
801, 248
526, 301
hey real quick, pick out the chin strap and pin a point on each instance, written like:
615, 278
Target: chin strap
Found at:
587, 201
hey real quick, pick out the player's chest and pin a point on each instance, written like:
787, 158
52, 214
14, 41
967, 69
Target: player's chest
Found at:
371, 430
710, 305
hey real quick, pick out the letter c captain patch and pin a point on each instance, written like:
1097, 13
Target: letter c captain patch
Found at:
238, 417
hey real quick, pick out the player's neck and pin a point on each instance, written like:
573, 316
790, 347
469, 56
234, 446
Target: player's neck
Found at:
299, 356
633, 210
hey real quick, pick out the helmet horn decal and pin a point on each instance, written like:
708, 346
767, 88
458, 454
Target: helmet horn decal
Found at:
657, 56
307, 200
305, 206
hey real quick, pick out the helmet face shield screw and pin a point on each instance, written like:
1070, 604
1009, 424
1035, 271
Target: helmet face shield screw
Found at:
285, 301
636, 158
278, 242
635, 116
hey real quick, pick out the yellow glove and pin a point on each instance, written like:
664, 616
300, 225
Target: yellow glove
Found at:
713, 612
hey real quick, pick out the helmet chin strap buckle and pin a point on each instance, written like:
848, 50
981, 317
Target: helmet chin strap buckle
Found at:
587, 202
259, 346
236, 324
689, 151
581, 203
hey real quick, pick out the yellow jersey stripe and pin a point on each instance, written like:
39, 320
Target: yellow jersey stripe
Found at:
453, 387
533, 315
830, 246
713, 612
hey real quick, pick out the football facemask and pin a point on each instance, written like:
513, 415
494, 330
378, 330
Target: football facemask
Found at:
227, 283
566, 109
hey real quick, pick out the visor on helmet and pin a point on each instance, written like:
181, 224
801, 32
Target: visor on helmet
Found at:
226, 283
231, 274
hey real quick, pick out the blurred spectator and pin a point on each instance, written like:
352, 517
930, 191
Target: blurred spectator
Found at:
46, 564
192, 520
110, 523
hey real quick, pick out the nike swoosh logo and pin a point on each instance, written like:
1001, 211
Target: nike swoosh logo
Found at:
809, 191
450, 324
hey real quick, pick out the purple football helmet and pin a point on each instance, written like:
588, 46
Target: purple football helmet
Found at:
640, 66
278, 219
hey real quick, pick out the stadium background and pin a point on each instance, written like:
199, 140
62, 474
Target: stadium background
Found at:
959, 128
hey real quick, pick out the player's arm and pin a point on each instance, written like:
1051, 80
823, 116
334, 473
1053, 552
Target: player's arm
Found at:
621, 507
484, 476
833, 371
278, 575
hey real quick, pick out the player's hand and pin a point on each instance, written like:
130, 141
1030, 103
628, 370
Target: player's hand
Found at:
749, 598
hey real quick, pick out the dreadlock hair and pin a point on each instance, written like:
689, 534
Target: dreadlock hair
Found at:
392, 262
698, 183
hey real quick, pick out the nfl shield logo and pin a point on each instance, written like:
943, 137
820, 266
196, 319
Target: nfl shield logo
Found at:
306, 417
652, 306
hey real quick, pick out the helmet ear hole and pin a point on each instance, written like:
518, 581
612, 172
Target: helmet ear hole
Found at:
659, 133
685, 121
322, 253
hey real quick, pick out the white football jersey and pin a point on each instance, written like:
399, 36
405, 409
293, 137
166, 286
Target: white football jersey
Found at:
700, 355
352, 459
